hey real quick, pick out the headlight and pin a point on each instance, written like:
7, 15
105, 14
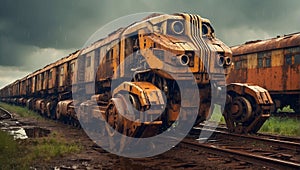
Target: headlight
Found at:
177, 27
184, 60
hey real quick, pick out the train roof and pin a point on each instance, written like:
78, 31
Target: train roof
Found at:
279, 42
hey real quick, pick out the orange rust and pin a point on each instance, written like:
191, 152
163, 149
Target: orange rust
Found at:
265, 45
273, 64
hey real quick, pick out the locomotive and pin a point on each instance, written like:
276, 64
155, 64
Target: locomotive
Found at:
273, 64
122, 80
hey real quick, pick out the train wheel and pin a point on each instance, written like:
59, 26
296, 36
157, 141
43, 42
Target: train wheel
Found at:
237, 114
114, 126
119, 117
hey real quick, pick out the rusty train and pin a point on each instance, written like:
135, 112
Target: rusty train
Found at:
126, 69
273, 64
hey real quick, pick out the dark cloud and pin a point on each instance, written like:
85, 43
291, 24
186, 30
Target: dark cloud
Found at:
29, 29
66, 24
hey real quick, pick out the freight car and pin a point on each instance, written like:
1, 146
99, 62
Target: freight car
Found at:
125, 71
273, 64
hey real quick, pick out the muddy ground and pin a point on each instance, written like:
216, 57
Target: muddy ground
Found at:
94, 157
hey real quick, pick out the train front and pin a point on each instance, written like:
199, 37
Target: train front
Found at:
178, 53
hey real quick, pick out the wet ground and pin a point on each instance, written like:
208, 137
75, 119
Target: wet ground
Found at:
94, 157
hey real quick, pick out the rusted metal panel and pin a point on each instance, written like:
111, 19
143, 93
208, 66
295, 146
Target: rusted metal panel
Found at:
265, 45
52, 78
45, 80
16, 88
73, 68
89, 66
23, 84
277, 58
39, 81
283, 74
62, 74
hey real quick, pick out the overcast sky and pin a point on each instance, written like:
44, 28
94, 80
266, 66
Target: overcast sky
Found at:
34, 33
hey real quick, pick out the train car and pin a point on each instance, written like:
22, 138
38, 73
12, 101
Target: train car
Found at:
273, 64
126, 70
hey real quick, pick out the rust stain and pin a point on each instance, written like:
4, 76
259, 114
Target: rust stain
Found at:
265, 45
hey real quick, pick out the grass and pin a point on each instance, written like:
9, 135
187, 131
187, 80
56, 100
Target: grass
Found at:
22, 111
287, 109
44, 149
282, 126
274, 125
217, 115
21, 154
8, 151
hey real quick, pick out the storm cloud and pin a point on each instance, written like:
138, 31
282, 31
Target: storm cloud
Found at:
36, 32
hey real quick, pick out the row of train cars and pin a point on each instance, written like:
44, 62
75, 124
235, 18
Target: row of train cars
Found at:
273, 64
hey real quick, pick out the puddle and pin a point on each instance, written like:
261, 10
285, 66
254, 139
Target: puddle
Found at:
36, 132
26, 132
21, 131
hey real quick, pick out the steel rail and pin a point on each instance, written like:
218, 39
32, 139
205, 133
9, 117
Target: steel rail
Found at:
4, 114
245, 156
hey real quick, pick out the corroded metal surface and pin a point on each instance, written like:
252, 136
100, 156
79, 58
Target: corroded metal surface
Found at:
265, 45
273, 64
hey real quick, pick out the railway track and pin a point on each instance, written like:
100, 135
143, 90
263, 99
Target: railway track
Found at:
274, 140
4, 114
260, 149
259, 136
267, 150
264, 161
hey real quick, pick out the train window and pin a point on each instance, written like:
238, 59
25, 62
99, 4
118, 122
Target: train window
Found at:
264, 59
292, 56
204, 29
50, 75
207, 29
244, 63
260, 62
88, 61
268, 62
297, 59
288, 59
238, 65
109, 55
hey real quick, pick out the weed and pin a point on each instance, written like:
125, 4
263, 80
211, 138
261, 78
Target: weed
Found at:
286, 109
22, 111
281, 126
21, 154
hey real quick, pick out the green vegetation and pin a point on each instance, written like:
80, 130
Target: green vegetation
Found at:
22, 111
20, 154
286, 109
282, 126
274, 125
217, 116
8, 151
